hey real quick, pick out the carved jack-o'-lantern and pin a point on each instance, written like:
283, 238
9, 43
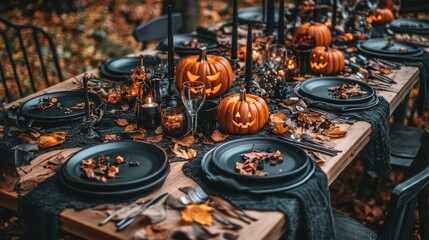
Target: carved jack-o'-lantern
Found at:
320, 32
308, 5
214, 71
241, 113
325, 60
380, 16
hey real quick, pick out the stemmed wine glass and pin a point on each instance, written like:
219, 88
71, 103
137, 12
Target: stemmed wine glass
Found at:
193, 97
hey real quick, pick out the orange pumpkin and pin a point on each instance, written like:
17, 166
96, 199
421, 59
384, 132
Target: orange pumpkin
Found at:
320, 32
242, 113
326, 61
214, 71
380, 16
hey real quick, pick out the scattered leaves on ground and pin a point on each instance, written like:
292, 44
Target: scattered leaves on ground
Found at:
51, 139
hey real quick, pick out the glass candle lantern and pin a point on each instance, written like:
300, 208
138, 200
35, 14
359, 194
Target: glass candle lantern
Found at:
174, 121
147, 107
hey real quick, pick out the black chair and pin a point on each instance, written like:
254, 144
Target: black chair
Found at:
26, 53
156, 29
399, 221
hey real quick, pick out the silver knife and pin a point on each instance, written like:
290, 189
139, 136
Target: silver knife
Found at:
121, 225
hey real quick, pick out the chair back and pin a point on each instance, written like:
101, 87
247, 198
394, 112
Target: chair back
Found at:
26, 54
156, 29
399, 222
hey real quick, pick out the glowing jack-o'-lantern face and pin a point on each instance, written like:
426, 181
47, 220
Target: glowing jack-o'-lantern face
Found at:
238, 121
318, 61
326, 61
214, 71
380, 16
211, 78
241, 113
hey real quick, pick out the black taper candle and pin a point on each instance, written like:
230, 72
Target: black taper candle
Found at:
270, 18
234, 30
249, 50
281, 27
86, 95
170, 44
334, 14
264, 10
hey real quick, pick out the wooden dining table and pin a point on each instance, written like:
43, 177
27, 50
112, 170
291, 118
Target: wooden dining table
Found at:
270, 225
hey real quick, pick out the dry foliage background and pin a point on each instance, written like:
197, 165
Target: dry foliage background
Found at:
103, 30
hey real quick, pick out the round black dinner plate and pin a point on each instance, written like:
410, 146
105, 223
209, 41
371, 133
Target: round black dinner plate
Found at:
180, 39
318, 88
345, 107
214, 175
121, 66
409, 26
255, 15
152, 185
66, 98
295, 159
377, 45
397, 57
152, 161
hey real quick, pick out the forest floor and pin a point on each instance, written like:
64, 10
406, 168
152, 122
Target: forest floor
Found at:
104, 29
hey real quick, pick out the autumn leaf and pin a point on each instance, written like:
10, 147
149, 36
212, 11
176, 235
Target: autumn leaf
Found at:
184, 154
217, 136
278, 120
125, 107
155, 138
131, 128
121, 122
158, 130
137, 136
111, 137
114, 97
197, 213
335, 132
51, 139
191, 153
186, 142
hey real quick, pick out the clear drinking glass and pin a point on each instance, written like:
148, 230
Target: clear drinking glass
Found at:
277, 55
193, 97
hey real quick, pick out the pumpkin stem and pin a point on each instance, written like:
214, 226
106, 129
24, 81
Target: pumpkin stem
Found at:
311, 23
242, 95
203, 55
326, 49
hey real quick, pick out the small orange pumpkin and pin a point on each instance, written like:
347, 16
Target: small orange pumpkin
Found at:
242, 113
326, 61
214, 71
380, 16
320, 32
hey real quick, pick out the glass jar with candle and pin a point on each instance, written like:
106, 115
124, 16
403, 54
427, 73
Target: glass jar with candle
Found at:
147, 108
174, 121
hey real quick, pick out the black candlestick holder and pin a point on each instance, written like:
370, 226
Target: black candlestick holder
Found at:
88, 121
172, 99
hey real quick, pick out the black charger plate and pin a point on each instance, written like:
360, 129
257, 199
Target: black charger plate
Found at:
54, 114
377, 46
396, 57
179, 46
152, 161
152, 185
254, 14
120, 69
294, 163
318, 88
345, 107
214, 175
414, 26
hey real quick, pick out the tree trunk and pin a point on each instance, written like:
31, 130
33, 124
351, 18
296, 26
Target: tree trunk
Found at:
190, 13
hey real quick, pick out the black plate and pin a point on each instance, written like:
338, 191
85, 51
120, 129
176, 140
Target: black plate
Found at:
295, 159
414, 26
377, 46
345, 107
389, 56
254, 14
214, 175
152, 161
66, 98
179, 40
121, 66
156, 183
317, 88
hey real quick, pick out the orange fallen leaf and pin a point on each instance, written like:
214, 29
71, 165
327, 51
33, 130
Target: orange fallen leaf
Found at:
385, 71
125, 107
191, 153
278, 119
184, 154
51, 139
158, 130
29, 137
186, 142
111, 137
114, 97
131, 128
198, 213
335, 132
121, 122
155, 138
137, 136
217, 136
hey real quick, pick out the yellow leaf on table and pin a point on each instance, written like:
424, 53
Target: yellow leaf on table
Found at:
51, 139
278, 119
131, 128
111, 137
198, 213
186, 142
155, 138
191, 153
335, 132
121, 122
185, 154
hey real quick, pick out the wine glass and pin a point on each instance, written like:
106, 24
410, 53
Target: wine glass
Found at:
277, 55
193, 97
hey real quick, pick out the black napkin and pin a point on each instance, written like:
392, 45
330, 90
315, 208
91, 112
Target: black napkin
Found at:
307, 207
